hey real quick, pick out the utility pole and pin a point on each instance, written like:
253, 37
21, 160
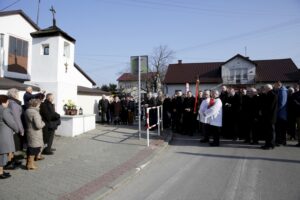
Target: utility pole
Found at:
38, 13
139, 97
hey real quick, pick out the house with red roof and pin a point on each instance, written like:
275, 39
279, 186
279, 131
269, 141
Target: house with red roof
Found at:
128, 82
239, 71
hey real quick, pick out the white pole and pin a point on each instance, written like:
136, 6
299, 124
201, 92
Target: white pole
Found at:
148, 125
158, 120
1, 53
162, 119
139, 93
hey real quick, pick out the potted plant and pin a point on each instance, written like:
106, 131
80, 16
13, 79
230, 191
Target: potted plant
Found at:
70, 108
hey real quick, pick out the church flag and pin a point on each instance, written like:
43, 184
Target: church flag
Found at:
196, 95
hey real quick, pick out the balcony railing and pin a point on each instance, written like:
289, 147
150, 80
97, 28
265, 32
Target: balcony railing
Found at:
250, 79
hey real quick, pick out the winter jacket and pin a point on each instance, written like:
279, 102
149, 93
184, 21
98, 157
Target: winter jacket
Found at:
34, 127
7, 128
282, 94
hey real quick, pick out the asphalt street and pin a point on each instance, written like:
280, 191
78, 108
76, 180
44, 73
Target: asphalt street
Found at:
188, 170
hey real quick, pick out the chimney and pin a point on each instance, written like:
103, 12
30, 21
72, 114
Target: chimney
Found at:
179, 61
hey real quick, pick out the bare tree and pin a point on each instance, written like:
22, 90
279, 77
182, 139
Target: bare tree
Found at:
160, 59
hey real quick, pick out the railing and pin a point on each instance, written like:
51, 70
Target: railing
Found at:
158, 122
250, 79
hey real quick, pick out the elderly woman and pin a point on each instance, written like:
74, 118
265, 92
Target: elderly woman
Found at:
16, 109
34, 131
7, 128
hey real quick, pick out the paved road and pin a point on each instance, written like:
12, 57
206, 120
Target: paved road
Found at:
189, 170
83, 167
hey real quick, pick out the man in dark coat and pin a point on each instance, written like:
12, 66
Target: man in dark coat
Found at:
178, 110
103, 108
188, 114
250, 113
116, 110
281, 122
124, 111
296, 108
153, 112
28, 96
224, 94
167, 112
225, 130
269, 115
52, 121
131, 110
233, 106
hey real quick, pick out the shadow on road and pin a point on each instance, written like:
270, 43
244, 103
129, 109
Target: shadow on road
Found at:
242, 157
184, 140
126, 135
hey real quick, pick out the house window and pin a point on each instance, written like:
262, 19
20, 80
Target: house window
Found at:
238, 73
45, 48
17, 55
245, 74
231, 74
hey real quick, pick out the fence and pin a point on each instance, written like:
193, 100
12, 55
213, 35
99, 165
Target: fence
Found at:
158, 122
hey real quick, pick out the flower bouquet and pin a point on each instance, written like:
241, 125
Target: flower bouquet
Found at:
70, 108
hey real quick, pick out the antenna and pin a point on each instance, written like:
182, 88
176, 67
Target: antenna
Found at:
245, 51
38, 13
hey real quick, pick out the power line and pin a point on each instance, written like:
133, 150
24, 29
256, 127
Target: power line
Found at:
196, 9
102, 55
242, 35
9, 5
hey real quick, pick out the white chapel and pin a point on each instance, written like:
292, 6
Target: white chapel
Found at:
44, 59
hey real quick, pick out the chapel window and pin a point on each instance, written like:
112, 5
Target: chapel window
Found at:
67, 49
46, 49
17, 55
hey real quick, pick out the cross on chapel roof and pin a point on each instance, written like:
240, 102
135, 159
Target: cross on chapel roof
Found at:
53, 15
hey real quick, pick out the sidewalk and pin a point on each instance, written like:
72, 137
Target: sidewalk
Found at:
85, 167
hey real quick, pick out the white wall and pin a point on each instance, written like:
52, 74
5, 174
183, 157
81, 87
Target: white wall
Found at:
81, 80
239, 63
50, 74
45, 67
89, 104
17, 26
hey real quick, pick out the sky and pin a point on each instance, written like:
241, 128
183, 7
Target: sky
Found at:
108, 32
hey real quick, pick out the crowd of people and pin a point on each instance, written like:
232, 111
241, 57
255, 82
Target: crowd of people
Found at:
270, 113
29, 127
116, 111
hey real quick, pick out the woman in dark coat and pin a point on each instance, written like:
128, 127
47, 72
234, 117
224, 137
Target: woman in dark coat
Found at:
16, 109
7, 128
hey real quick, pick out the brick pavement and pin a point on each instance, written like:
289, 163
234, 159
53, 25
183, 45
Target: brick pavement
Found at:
84, 167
